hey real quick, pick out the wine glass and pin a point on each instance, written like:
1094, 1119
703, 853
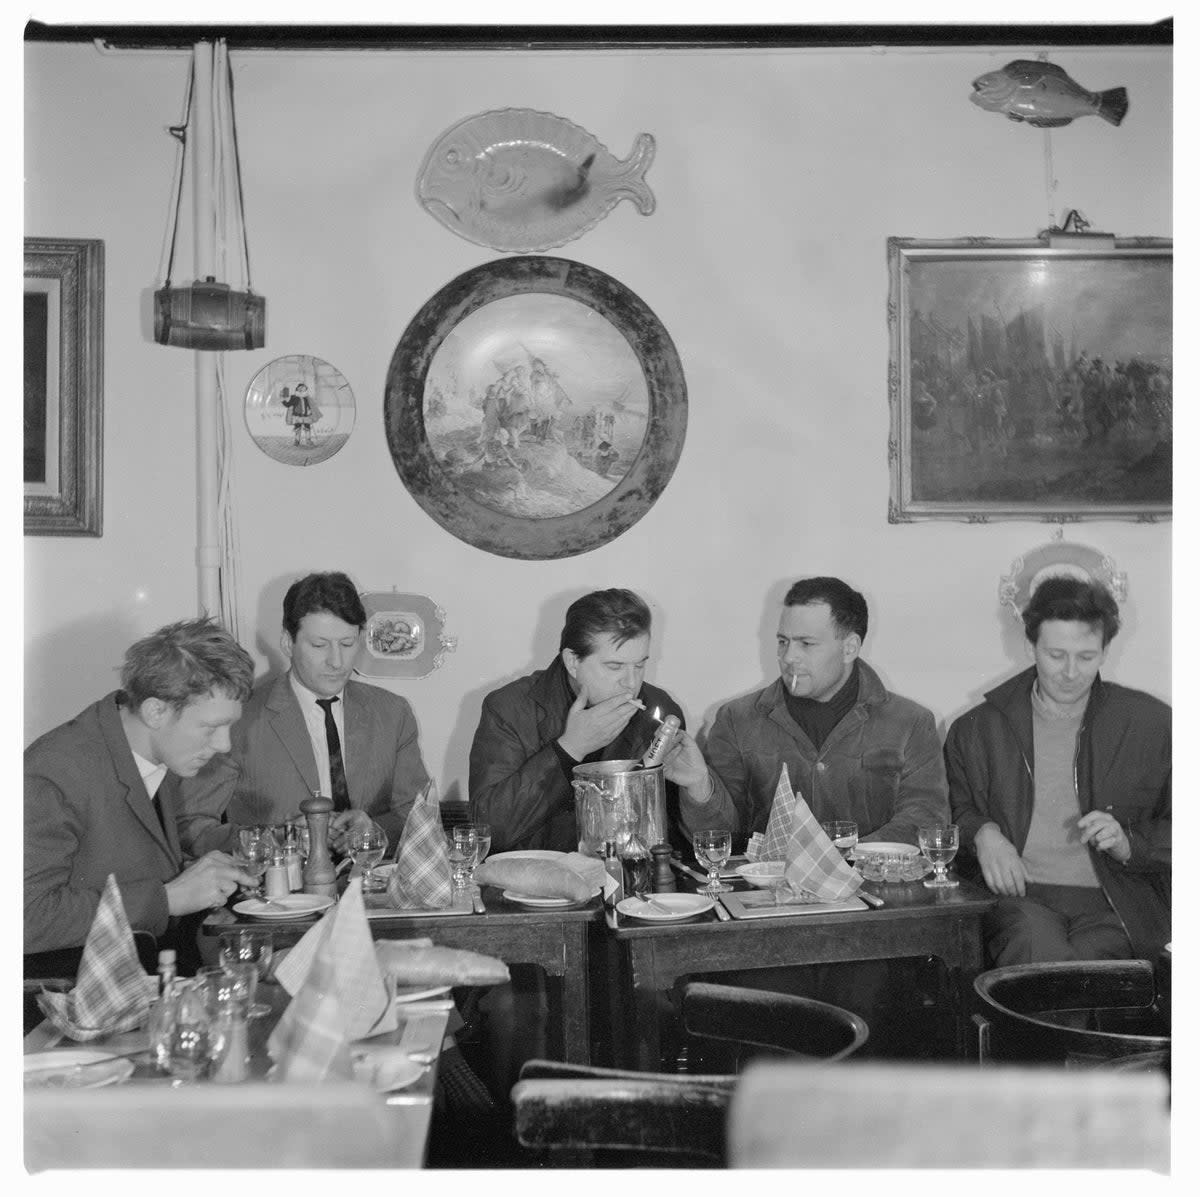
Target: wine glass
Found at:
713, 849
483, 842
366, 846
463, 845
255, 847
844, 834
940, 845
256, 948
188, 1039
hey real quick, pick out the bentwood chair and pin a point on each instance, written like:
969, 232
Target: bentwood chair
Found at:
677, 1120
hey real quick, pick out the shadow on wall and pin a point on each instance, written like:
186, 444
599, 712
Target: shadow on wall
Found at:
89, 650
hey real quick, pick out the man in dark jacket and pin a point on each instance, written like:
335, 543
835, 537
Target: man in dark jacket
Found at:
589, 704
1061, 786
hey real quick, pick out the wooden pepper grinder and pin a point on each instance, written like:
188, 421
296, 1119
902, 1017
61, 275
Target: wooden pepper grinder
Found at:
663, 875
319, 877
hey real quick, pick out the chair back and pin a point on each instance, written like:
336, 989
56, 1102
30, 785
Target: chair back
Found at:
778, 1021
1079, 1011
255, 1125
947, 1116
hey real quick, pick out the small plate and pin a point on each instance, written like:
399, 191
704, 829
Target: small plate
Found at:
418, 993
385, 1068
528, 854
862, 849
531, 900
271, 409
763, 873
295, 906
57, 1069
681, 906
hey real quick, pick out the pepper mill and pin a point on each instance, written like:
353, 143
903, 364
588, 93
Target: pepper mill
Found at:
663, 874
319, 877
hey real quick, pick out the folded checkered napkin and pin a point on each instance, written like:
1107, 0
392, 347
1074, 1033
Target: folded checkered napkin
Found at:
779, 824
338, 995
421, 878
814, 865
110, 993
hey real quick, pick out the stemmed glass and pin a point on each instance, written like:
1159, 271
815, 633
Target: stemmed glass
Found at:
255, 848
366, 846
713, 849
463, 845
187, 1047
940, 844
483, 845
249, 947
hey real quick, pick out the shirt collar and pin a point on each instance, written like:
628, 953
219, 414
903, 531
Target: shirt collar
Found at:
304, 696
151, 773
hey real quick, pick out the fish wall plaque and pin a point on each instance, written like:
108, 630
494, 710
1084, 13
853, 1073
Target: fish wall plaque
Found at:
516, 179
1045, 96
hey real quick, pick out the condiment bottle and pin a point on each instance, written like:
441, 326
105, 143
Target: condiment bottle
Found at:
276, 880
635, 866
319, 877
295, 862
664, 737
663, 874
612, 866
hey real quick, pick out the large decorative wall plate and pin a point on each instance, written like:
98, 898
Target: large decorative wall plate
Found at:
535, 408
403, 636
299, 410
522, 180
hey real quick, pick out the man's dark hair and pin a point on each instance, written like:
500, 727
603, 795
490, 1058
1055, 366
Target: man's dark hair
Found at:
1074, 601
189, 659
330, 593
616, 613
847, 606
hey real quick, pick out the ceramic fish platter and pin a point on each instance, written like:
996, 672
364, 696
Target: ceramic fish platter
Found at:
1044, 95
516, 179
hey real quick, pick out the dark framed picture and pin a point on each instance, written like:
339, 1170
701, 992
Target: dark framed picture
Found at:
535, 407
1030, 382
64, 386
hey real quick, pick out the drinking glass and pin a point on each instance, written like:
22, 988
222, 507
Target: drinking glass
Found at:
844, 834
940, 844
463, 845
483, 841
366, 846
255, 948
188, 1040
255, 847
713, 849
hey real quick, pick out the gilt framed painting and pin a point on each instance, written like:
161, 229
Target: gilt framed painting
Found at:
535, 408
1030, 382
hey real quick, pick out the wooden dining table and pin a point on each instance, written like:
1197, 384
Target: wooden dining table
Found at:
555, 938
914, 921
153, 1120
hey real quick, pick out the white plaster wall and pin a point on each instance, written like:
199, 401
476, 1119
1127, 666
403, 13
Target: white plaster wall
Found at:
779, 177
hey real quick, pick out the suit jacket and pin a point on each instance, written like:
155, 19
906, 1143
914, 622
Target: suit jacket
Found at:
518, 782
271, 768
88, 814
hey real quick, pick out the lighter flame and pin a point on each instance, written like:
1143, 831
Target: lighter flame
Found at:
657, 716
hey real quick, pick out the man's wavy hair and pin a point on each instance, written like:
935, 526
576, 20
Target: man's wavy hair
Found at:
328, 593
616, 613
184, 661
1074, 601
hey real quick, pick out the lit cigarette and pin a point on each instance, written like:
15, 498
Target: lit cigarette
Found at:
637, 702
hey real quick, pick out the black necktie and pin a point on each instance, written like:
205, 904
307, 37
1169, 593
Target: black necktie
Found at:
337, 773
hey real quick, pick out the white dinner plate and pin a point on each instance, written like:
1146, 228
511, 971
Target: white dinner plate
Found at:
678, 906
58, 1069
533, 900
862, 849
290, 906
527, 854
418, 993
385, 1068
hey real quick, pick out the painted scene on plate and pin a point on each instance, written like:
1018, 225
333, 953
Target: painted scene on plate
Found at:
535, 406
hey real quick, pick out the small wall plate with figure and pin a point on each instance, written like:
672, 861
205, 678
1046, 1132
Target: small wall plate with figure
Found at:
299, 409
1059, 557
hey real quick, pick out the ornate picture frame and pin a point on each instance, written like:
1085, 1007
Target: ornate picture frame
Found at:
535, 408
1030, 382
64, 386
404, 635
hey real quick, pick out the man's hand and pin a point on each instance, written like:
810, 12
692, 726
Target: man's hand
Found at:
1003, 869
685, 764
342, 824
206, 883
591, 728
1101, 831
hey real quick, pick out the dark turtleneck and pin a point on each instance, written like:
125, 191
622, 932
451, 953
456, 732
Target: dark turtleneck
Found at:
817, 719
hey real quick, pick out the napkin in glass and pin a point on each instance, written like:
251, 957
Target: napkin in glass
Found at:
779, 825
421, 878
111, 992
338, 995
814, 866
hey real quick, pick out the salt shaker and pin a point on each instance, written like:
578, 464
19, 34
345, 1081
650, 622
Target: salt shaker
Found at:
663, 874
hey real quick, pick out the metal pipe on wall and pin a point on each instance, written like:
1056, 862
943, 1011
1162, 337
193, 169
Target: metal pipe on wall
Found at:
208, 553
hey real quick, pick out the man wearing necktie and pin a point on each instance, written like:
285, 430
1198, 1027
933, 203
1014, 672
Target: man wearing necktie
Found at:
312, 730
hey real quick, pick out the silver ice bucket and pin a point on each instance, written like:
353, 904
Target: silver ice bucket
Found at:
612, 798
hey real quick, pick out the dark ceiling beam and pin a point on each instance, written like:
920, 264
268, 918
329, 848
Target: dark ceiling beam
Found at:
597, 37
